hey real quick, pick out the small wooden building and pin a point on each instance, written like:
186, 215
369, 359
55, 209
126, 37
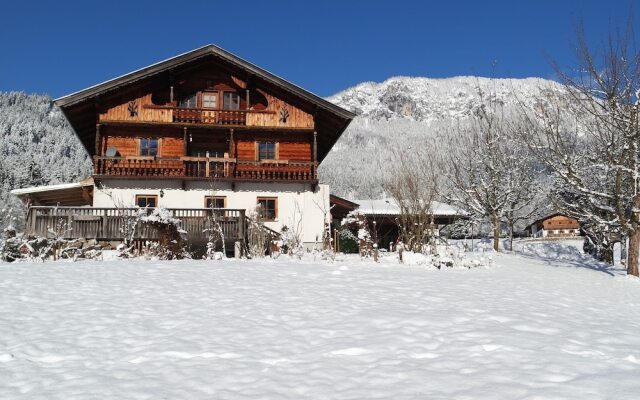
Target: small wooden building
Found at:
555, 225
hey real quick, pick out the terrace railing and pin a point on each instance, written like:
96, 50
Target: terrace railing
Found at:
103, 223
204, 168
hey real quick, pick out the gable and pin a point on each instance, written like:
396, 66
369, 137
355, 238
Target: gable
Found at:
149, 91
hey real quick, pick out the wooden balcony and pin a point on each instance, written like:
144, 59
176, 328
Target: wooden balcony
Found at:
226, 169
106, 223
211, 116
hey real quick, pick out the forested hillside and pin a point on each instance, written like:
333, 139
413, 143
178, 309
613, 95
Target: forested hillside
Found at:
407, 114
37, 145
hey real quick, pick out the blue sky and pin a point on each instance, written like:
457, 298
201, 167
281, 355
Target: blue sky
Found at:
324, 46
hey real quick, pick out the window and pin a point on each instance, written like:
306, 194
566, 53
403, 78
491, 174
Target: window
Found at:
231, 101
215, 202
149, 146
189, 101
266, 151
210, 100
147, 200
268, 208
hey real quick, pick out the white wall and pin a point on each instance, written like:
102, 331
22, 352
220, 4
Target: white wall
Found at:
297, 203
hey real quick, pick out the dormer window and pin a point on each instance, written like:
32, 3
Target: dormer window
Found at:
210, 100
189, 101
231, 101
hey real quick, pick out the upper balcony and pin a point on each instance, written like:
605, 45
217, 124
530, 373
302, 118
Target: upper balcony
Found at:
212, 116
205, 168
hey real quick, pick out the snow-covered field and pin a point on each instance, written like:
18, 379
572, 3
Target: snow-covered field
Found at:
545, 323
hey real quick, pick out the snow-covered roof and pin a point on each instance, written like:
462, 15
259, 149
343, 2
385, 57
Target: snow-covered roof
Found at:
48, 188
64, 194
390, 207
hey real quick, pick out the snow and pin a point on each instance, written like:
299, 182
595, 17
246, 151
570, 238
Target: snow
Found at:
542, 323
391, 207
38, 189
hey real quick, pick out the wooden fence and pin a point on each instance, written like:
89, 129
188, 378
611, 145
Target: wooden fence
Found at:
108, 224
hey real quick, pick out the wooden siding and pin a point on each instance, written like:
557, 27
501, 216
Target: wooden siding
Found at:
297, 118
171, 147
560, 222
120, 111
246, 150
294, 151
128, 146
141, 108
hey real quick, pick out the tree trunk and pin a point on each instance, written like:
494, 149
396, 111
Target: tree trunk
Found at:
634, 251
496, 234
510, 235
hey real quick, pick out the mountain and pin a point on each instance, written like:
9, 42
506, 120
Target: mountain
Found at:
405, 113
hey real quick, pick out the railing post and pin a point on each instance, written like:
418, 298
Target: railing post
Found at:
241, 224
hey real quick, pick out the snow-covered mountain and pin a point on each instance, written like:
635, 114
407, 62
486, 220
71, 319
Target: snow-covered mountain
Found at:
405, 112
429, 100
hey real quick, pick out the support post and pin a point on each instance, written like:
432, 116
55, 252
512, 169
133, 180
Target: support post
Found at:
98, 141
315, 154
232, 152
248, 104
186, 142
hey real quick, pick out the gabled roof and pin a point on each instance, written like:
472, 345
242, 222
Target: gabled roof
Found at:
207, 50
540, 220
76, 106
391, 207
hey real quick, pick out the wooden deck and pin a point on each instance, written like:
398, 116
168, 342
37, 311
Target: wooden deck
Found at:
105, 224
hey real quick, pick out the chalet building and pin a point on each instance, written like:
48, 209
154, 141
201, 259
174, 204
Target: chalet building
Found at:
202, 130
554, 226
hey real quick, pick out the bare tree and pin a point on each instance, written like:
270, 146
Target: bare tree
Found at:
490, 175
596, 156
412, 183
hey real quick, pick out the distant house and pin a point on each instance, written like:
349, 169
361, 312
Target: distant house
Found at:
554, 226
386, 214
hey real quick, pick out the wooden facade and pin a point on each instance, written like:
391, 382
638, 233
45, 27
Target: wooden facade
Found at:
206, 113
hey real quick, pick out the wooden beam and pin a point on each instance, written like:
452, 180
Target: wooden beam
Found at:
98, 141
315, 158
186, 142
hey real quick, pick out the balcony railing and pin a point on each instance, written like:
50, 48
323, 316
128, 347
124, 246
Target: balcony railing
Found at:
205, 168
208, 115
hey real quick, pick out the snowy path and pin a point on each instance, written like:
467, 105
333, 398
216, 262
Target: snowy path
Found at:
349, 330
